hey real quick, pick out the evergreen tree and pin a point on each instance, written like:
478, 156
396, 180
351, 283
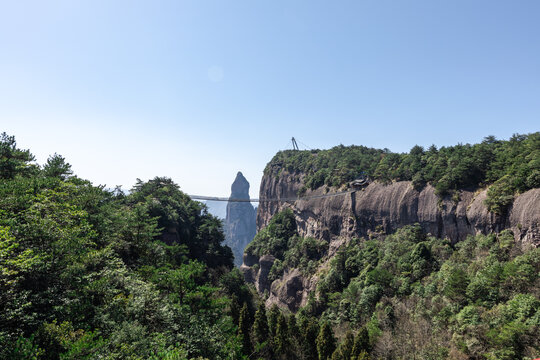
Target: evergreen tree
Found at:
326, 343
281, 339
243, 329
272, 319
361, 343
344, 350
14, 161
260, 325
310, 330
57, 166
261, 333
235, 309
293, 328
294, 335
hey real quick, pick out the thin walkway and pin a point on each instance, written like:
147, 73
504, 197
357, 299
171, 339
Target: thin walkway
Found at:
215, 198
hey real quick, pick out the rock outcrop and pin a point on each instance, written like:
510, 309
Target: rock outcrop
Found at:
239, 225
382, 208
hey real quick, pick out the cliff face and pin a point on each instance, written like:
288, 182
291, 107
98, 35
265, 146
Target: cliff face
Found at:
239, 225
380, 208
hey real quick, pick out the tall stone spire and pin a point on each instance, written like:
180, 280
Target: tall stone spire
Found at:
239, 223
240, 187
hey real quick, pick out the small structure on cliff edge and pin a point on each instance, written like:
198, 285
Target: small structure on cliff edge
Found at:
240, 221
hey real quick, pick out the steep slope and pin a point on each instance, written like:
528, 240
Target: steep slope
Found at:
387, 207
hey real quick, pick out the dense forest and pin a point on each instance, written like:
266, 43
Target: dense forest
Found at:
510, 166
93, 273
85, 272
412, 294
88, 272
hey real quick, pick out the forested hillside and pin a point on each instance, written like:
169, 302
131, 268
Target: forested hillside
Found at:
84, 273
410, 295
93, 273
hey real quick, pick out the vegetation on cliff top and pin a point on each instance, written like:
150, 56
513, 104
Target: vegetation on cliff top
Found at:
509, 166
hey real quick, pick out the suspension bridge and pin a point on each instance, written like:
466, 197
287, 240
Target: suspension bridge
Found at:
261, 200
279, 199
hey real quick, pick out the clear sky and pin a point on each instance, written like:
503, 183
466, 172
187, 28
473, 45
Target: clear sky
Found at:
198, 90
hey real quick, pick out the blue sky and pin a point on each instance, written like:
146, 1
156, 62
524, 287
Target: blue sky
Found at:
198, 90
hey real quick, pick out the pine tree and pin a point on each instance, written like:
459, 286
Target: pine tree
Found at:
261, 333
344, 350
310, 330
293, 328
326, 343
243, 329
235, 309
260, 325
281, 339
361, 343
272, 319
294, 337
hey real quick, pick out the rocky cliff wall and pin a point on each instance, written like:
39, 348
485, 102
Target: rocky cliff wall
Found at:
380, 207
374, 209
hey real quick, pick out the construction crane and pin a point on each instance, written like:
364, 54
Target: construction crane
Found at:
294, 144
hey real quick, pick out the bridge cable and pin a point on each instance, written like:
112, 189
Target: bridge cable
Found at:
260, 200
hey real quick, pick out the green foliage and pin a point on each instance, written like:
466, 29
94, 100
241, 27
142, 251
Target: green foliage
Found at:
281, 239
281, 337
244, 330
273, 316
414, 293
500, 195
183, 221
345, 349
361, 343
511, 166
274, 238
88, 273
309, 331
25, 349
260, 330
326, 342
57, 166
14, 161
364, 271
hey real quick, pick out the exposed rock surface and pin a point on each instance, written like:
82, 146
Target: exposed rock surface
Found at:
382, 208
239, 225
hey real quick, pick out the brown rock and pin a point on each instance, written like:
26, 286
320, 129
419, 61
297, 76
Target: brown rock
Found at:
382, 208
